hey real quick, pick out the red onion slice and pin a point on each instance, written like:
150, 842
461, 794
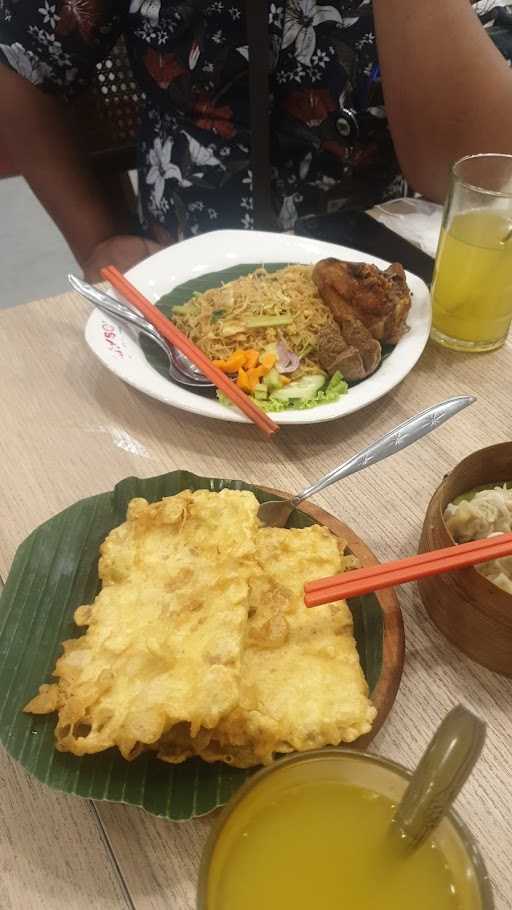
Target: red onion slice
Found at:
287, 361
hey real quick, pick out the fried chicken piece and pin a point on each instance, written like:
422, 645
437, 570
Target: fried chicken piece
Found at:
395, 325
165, 634
379, 299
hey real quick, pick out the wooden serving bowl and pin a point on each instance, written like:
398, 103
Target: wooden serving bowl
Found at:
470, 610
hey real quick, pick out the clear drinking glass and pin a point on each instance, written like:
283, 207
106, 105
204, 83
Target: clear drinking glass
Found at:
359, 769
472, 286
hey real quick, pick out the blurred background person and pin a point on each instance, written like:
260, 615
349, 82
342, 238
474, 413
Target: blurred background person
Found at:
366, 98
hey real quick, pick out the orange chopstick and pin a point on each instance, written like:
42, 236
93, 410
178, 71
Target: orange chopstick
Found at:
400, 571
169, 331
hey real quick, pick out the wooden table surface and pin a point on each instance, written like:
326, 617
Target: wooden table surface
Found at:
69, 429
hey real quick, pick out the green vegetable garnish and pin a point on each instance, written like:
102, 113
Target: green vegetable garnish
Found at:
335, 388
302, 389
272, 380
262, 322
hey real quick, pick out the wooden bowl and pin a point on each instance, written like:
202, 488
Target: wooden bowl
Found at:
470, 610
393, 639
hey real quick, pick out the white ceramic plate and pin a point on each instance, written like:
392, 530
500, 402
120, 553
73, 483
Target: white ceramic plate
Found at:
118, 349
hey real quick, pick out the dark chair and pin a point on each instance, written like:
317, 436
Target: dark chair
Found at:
106, 115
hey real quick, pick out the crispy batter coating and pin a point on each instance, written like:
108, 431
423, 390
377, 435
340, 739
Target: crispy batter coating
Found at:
302, 686
199, 642
164, 636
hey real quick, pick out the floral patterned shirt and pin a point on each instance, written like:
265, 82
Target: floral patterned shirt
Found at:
331, 146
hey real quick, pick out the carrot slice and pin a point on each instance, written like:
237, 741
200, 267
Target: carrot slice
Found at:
232, 363
251, 358
243, 380
268, 360
254, 376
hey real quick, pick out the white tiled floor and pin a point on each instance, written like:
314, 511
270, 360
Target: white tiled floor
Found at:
34, 258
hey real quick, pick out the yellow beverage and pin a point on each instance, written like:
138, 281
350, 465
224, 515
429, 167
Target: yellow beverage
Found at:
324, 845
472, 288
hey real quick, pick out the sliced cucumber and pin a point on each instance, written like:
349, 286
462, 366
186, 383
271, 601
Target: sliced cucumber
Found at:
261, 322
272, 380
302, 389
232, 328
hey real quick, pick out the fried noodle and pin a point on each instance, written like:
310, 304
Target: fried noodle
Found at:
216, 320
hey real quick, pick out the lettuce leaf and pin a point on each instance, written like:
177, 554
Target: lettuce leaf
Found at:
335, 388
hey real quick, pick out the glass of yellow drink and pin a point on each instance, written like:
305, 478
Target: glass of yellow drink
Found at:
313, 831
472, 286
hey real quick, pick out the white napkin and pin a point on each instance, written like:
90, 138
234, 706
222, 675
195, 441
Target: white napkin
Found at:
414, 219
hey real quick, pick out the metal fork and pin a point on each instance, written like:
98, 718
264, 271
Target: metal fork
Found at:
275, 513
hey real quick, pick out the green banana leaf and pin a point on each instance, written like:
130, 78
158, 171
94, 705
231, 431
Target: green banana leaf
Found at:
54, 571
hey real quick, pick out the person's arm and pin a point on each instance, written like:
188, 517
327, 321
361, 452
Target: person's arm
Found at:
35, 132
447, 89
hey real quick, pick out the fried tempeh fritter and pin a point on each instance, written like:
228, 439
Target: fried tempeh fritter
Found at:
302, 686
164, 635
199, 642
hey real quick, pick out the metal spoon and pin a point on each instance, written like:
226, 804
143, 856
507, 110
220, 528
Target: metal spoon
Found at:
181, 369
276, 513
440, 775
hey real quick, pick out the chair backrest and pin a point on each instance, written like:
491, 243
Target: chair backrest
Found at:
107, 114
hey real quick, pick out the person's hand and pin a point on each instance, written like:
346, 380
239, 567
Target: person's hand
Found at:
122, 251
